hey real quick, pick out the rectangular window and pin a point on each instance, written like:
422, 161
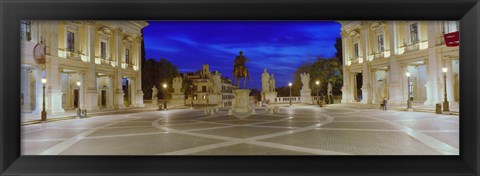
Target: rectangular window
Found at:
355, 47
414, 33
450, 26
204, 88
380, 44
70, 41
127, 56
26, 30
103, 50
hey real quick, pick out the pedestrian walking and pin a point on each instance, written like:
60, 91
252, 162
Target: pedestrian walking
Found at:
384, 103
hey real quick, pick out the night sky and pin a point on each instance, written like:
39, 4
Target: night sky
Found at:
279, 46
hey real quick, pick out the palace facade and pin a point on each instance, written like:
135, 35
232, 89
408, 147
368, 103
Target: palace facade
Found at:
210, 88
378, 54
91, 64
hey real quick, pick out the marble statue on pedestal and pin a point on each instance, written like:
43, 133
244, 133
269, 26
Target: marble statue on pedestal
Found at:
305, 93
215, 96
272, 83
154, 92
154, 95
177, 85
268, 87
329, 93
305, 77
178, 98
216, 82
265, 81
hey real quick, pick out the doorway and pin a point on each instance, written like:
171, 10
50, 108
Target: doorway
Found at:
75, 98
104, 98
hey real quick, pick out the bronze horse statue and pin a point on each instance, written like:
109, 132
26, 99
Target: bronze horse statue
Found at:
240, 70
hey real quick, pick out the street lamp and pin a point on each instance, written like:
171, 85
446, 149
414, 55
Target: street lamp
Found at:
79, 109
165, 96
318, 89
290, 86
409, 101
191, 90
445, 101
44, 113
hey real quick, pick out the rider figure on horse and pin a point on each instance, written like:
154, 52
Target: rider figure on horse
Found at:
240, 70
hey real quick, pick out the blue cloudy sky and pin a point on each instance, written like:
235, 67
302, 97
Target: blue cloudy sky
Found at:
279, 46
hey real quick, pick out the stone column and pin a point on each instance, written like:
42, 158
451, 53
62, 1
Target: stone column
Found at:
81, 90
387, 82
52, 37
38, 90
405, 83
373, 78
138, 76
25, 89
118, 100
367, 82
91, 99
53, 87
354, 87
394, 86
432, 69
346, 86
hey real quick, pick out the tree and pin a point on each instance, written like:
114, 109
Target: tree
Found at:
148, 78
157, 73
165, 72
325, 71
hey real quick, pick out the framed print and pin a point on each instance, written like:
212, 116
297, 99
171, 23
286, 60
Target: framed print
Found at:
248, 88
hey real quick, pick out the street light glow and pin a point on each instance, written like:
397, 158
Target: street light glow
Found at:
79, 83
164, 85
290, 84
44, 80
408, 74
317, 82
445, 69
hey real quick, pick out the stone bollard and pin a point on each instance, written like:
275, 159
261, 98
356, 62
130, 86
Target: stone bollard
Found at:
230, 112
79, 113
438, 108
253, 111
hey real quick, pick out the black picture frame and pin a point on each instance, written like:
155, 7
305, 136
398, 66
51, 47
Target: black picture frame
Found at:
12, 11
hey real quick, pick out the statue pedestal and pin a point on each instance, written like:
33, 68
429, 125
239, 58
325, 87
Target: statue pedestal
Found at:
306, 96
270, 96
154, 102
241, 103
215, 98
177, 99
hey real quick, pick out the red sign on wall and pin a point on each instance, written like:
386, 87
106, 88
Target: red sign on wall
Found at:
452, 39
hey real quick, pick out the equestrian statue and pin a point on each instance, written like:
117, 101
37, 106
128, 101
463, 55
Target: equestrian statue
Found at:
240, 70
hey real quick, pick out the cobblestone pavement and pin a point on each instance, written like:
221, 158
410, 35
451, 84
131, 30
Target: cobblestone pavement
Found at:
302, 130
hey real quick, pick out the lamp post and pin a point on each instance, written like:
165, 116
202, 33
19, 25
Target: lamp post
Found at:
79, 109
165, 96
191, 90
409, 101
290, 86
445, 101
318, 89
44, 113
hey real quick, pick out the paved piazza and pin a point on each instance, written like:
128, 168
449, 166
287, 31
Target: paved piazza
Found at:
303, 130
